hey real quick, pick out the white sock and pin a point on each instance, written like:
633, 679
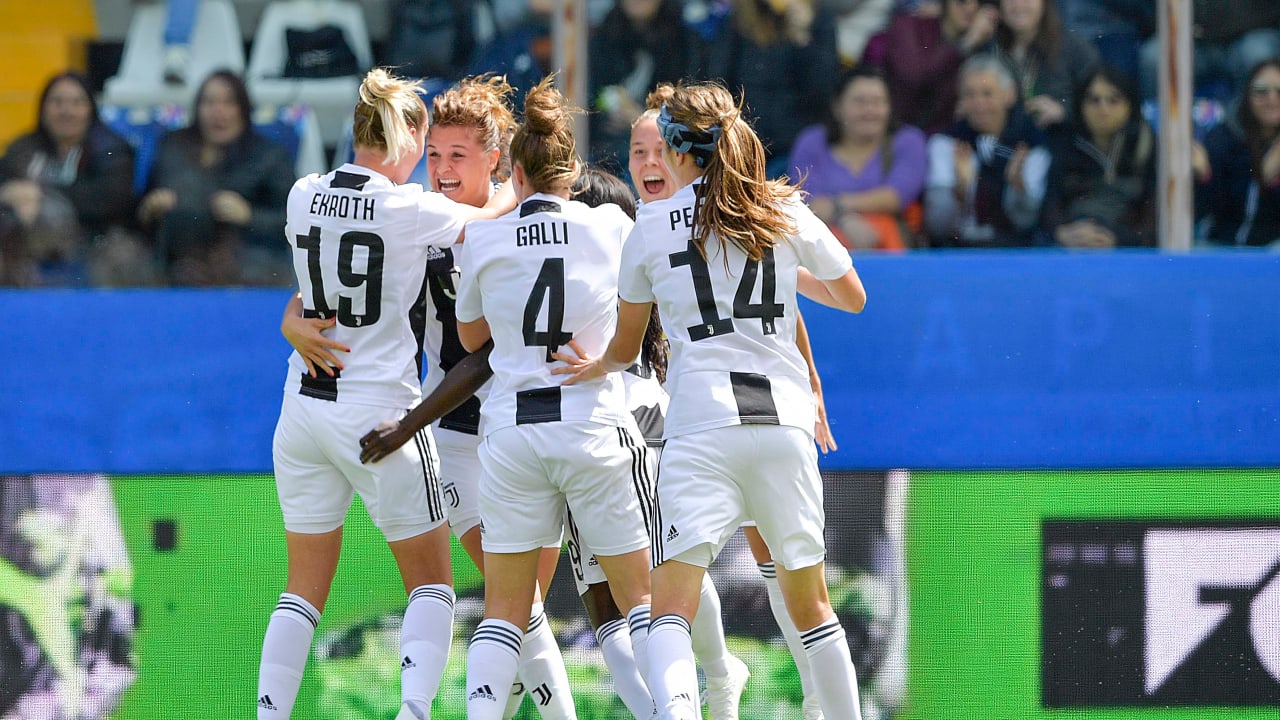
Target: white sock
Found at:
542, 669
673, 677
638, 623
615, 645
491, 668
789, 633
284, 655
833, 675
425, 637
708, 632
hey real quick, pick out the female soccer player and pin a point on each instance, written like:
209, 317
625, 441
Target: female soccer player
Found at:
532, 282
467, 150
360, 241
724, 258
726, 675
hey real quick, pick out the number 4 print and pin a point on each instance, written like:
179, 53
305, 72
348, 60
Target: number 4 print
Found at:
548, 288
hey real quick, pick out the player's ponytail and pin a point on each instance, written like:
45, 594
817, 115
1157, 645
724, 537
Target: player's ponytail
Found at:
388, 108
737, 203
544, 144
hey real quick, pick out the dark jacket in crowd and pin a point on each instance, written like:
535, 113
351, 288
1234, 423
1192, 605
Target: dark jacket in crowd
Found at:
1114, 187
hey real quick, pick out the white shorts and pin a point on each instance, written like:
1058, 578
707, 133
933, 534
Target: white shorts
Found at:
586, 569
459, 477
532, 472
713, 481
317, 465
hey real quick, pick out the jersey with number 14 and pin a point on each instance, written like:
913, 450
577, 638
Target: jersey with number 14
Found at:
360, 245
541, 275
731, 321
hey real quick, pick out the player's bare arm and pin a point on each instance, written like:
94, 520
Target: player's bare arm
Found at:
633, 320
460, 382
821, 431
843, 293
306, 335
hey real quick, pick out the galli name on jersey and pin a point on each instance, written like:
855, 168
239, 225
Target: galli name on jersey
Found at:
543, 233
342, 206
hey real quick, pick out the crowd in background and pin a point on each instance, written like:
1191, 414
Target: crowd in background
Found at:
910, 123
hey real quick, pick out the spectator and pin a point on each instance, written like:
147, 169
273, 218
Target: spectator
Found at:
921, 54
1230, 39
1116, 28
1103, 176
66, 196
216, 196
782, 56
640, 43
987, 173
1239, 186
1048, 60
861, 168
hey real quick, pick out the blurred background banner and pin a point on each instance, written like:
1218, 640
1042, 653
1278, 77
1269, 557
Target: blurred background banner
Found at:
966, 360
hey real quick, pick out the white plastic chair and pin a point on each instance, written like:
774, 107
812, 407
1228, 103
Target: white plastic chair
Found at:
215, 44
331, 98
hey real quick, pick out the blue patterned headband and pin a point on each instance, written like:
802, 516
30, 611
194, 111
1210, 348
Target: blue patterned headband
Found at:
684, 139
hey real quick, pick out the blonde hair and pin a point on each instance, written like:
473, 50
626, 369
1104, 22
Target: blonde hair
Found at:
483, 104
389, 107
544, 145
737, 202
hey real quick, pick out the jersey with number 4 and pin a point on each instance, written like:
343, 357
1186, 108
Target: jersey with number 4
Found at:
542, 275
731, 321
360, 244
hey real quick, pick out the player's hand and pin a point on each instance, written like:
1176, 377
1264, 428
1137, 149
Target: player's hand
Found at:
306, 335
382, 441
580, 366
821, 429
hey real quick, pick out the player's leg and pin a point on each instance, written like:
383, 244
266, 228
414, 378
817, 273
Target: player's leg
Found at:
726, 675
778, 606
522, 513
404, 498
699, 505
541, 672
608, 623
791, 520
426, 632
600, 485
314, 498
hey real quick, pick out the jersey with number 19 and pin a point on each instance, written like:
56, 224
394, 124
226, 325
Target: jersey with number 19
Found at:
731, 321
360, 249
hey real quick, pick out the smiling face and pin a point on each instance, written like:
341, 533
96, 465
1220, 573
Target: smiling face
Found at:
67, 112
458, 165
220, 114
863, 109
649, 173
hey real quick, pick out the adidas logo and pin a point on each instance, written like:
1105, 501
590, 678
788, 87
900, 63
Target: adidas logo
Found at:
672, 534
434, 253
407, 663
482, 693
264, 703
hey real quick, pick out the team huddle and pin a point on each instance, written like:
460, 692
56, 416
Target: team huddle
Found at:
635, 382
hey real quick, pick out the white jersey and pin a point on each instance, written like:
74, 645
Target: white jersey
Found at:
731, 322
360, 246
541, 275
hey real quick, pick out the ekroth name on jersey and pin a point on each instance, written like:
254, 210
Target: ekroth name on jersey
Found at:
342, 206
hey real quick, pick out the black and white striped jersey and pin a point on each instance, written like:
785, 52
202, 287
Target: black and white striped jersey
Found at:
731, 322
360, 244
541, 275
